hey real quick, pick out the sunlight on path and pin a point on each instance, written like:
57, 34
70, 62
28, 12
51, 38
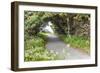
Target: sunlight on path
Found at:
48, 28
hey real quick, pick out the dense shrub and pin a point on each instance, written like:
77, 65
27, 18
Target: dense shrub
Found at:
34, 42
35, 49
39, 54
77, 42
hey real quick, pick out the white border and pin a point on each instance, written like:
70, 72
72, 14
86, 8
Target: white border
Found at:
23, 64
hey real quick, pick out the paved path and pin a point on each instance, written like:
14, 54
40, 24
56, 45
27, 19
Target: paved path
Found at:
58, 46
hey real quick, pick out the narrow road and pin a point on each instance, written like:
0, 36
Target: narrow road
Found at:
58, 46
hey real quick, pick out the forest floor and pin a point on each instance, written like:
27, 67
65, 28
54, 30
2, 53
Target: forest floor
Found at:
58, 46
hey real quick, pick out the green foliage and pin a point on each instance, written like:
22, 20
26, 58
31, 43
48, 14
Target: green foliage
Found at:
77, 42
39, 54
34, 42
35, 49
68, 23
43, 35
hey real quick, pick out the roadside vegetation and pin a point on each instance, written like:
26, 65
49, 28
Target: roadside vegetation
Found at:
35, 49
75, 25
77, 42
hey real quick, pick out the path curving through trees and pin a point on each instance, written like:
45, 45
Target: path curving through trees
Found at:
58, 46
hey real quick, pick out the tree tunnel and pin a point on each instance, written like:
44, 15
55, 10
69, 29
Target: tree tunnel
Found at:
62, 23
